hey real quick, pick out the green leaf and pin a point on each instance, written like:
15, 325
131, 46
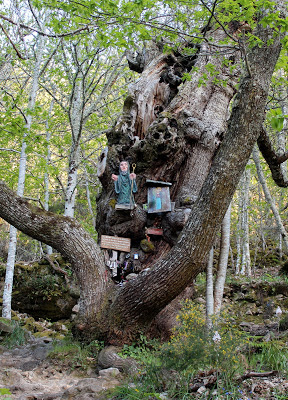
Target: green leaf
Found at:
277, 123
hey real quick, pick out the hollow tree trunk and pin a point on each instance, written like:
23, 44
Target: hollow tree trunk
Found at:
118, 312
171, 131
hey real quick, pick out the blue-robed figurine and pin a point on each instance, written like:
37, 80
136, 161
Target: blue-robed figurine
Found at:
125, 185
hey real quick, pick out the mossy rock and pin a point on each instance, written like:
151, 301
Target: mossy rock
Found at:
44, 292
6, 325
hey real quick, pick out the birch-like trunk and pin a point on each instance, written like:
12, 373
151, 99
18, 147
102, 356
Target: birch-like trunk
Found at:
7, 292
282, 149
223, 261
48, 161
209, 289
238, 235
281, 137
75, 118
246, 260
88, 196
269, 198
81, 106
261, 215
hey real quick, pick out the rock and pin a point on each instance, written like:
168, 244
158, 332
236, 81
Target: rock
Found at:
44, 291
201, 390
109, 373
108, 357
88, 388
200, 300
255, 329
76, 308
163, 396
5, 326
131, 276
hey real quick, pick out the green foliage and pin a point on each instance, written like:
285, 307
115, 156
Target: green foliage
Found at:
75, 355
45, 286
5, 394
277, 119
134, 393
143, 351
16, 338
267, 356
172, 368
193, 346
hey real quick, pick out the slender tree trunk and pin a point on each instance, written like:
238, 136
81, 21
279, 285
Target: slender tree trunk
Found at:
48, 161
88, 196
262, 236
269, 198
7, 293
281, 138
244, 213
223, 261
238, 235
76, 123
209, 289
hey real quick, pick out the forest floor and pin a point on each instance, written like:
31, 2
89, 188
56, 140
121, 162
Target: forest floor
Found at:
30, 373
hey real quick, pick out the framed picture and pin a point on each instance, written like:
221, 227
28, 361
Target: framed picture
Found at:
159, 199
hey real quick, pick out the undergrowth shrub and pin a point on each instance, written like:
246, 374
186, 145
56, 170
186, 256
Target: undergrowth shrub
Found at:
266, 356
193, 346
143, 351
193, 350
75, 355
17, 337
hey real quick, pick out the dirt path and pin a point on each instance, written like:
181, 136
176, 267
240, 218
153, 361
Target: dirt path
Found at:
29, 375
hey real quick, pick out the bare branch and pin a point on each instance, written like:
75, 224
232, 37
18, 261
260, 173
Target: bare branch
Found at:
14, 151
40, 32
13, 45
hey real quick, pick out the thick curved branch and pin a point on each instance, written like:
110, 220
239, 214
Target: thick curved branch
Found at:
68, 237
272, 158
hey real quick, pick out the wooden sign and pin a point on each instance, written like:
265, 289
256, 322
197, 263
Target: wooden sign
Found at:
154, 231
115, 243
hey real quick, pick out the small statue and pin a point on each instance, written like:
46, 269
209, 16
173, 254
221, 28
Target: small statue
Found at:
125, 185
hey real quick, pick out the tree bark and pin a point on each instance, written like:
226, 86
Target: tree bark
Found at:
72, 241
49, 249
171, 131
